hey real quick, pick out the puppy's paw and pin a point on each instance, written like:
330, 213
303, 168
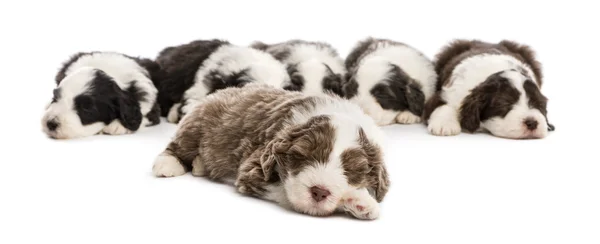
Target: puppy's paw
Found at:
361, 208
444, 122
115, 128
173, 116
406, 117
447, 128
360, 204
167, 166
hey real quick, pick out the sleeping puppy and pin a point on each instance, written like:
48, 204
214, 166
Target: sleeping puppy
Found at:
313, 154
390, 80
314, 67
491, 87
194, 70
102, 92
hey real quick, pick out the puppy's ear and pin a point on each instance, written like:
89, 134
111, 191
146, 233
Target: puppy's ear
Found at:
271, 156
130, 114
332, 82
379, 181
349, 86
471, 109
415, 99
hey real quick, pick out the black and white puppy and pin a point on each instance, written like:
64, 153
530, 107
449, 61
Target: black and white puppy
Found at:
102, 92
390, 80
194, 70
315, 68
492, 87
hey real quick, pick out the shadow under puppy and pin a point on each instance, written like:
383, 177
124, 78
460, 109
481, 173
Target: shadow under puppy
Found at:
102, 92
196, 69
315, 68
390, 80
488, 86
313, 154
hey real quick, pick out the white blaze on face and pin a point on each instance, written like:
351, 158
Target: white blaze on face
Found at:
514, 124
62, 112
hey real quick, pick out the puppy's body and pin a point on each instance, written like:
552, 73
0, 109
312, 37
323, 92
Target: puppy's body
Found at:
204, 67
390, 80
315, 68
102, 92
310, 153
486, 86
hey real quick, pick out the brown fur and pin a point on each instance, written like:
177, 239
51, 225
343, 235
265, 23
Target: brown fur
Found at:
246, 134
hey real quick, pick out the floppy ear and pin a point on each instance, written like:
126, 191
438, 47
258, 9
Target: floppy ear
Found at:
332, 82
349, 87
378, 176
271, 156
415, 99
129, 112
470, 112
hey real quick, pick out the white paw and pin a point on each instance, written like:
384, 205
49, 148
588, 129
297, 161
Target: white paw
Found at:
173, 116
360, 204
441, 128
444, 122
407, 117
167, 166
115, 128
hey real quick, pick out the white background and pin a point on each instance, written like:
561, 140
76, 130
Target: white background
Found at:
464, 189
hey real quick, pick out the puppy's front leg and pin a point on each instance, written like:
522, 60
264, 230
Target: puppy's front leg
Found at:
251, 179
360, 204
444, 121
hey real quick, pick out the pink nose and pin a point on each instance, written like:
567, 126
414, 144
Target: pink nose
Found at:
318, 193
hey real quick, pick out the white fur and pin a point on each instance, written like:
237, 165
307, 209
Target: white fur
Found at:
470, 73
374, 68
116, 128
77, 80
166, 165
263, 68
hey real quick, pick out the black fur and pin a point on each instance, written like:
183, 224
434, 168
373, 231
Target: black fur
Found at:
349, 86
104, 102
399, 92
178, 65
297, 80
332, 82
494, 97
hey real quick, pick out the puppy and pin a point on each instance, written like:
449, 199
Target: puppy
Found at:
314, 67
491, 87
102, 92
390, 80
194, 70
313, 154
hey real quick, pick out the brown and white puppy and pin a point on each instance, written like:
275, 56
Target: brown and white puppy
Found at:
313, 154
390, 80
491, 87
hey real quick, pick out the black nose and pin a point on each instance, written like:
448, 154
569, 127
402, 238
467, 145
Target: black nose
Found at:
52, 125
319, 193
531, 124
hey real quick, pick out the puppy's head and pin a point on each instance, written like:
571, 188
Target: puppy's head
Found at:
314, 77
321, 160
87, 100
508, 104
